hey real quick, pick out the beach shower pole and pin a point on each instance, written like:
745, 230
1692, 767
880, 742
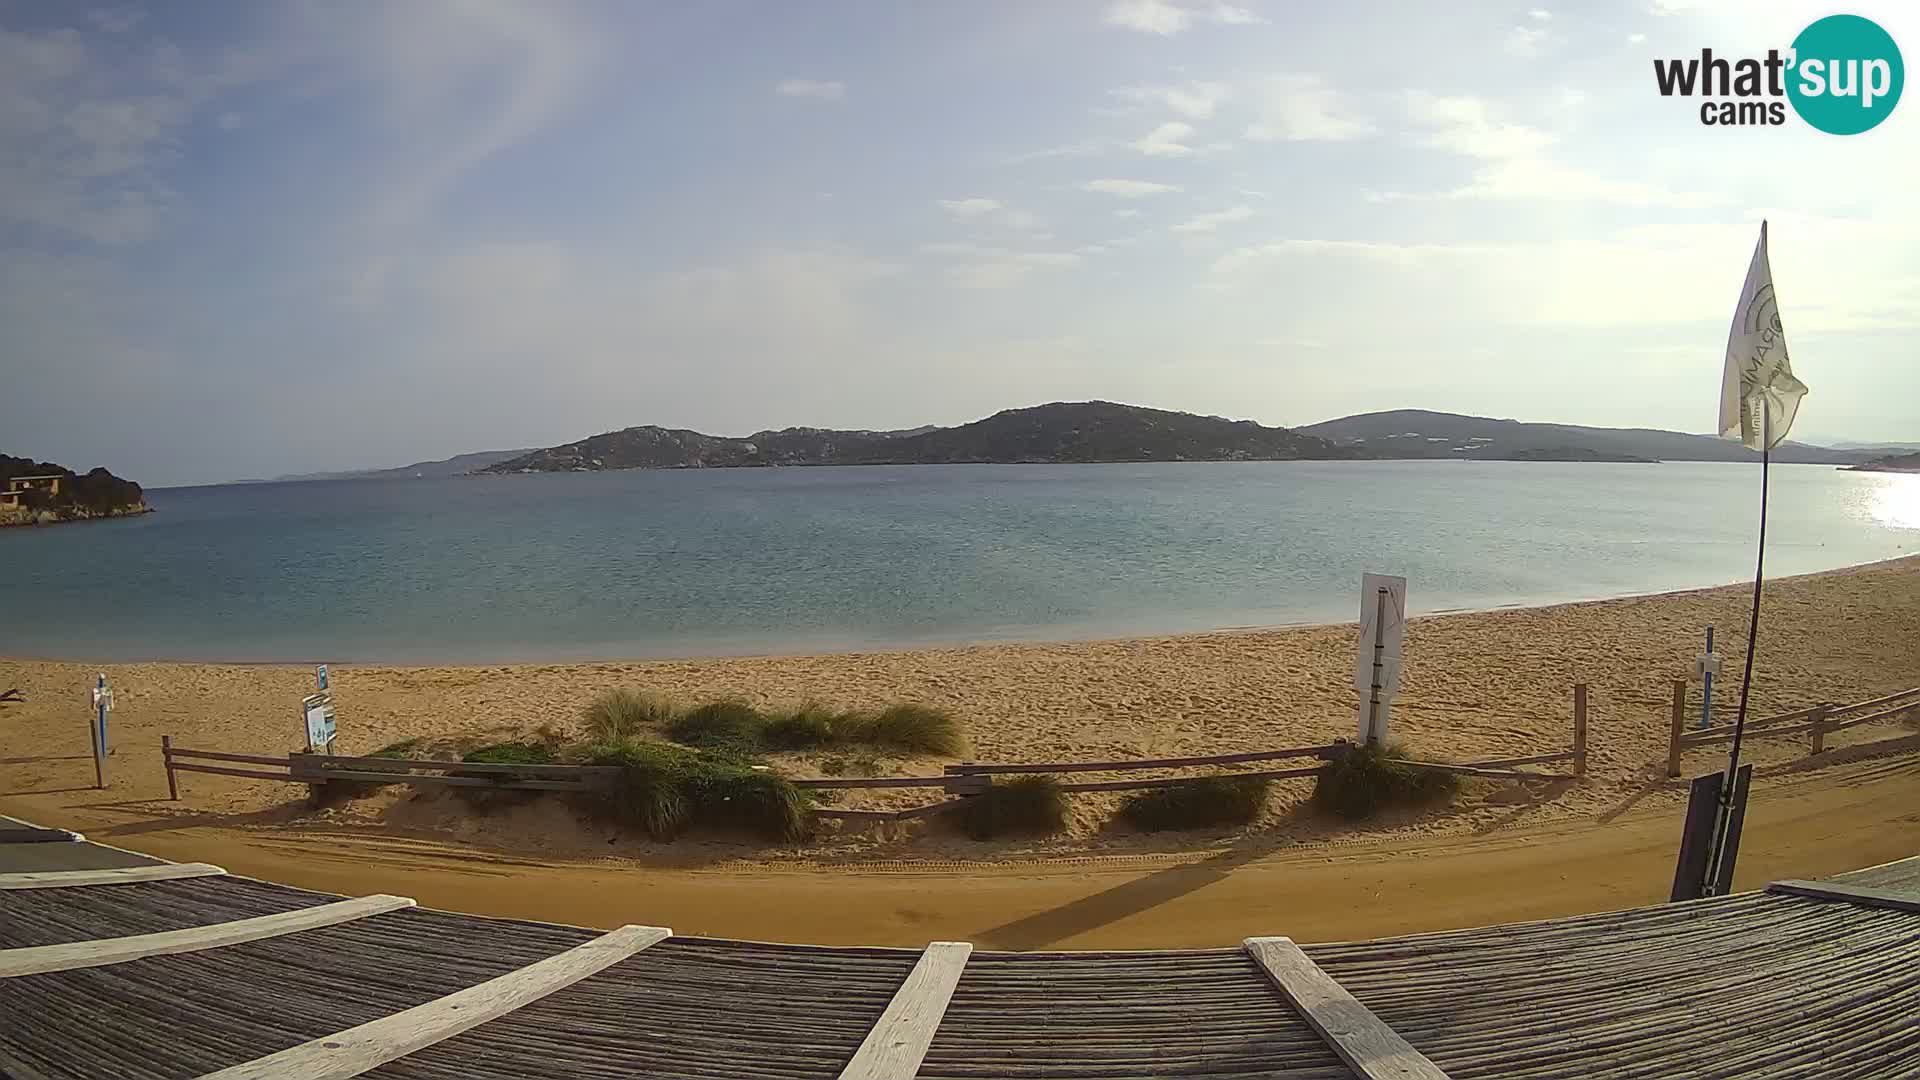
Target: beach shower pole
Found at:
1379, 662
1706, 697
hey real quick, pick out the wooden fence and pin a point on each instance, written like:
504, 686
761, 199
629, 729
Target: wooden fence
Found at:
1816, 722
316, 769
970, 778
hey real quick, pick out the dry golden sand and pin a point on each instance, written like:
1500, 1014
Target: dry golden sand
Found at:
1489, 684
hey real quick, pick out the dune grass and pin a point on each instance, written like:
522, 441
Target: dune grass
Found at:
1031, 805
802, 727
1197, 804
1364, 780
623, 713
728, 725
908, 727
663, 790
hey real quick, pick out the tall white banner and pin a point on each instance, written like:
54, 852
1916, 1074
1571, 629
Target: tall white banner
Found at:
1383, 629
1758, 393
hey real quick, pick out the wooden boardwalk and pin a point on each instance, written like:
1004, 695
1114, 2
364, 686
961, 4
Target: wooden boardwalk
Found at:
1760, 985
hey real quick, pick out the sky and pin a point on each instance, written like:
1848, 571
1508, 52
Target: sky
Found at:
249, 239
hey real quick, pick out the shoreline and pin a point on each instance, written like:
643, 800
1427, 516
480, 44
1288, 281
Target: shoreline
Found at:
1478, 686
878, 648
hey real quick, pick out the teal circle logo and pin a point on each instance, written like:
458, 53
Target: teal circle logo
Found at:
1846, 75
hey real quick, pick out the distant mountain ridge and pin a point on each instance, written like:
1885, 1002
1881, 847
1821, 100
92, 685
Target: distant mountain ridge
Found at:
1084, 431
1419, 433
457, 465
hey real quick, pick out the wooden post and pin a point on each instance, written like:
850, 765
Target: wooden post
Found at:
1579, 729
166, 754
99, 761
1679, 726
1817, 726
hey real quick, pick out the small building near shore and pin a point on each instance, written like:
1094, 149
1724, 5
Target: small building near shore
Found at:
18, 486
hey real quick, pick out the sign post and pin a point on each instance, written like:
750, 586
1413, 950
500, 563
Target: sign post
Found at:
1705, 667
102, 705
1376, 672
316, 711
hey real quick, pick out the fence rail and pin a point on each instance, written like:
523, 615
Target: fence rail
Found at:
1816, 721
317, 769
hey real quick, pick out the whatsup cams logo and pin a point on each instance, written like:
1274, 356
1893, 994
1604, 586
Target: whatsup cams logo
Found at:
1842, 74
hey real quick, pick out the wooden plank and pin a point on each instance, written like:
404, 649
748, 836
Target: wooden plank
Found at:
252, 774
1476, 770
898, 1042
1897, 695
1849, 894
362, 1049
974, 769
1368, 1046
872, 782
1537, 759
38, 959
125, 875
1883, 714
209, 755
330, 763
1175, 781
581, 784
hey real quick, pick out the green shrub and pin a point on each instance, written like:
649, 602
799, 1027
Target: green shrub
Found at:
1028, 804
726, 793
650, 793
664, 789
729, 725
802, 728
1366, 779
914, 729
624, 714
1197, 804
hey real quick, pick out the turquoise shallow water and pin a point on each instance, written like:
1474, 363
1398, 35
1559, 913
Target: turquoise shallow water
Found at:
641, 563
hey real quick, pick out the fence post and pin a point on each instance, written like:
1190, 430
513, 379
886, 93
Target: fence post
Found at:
1818, 727
1580, 729
1679, 726
166, 754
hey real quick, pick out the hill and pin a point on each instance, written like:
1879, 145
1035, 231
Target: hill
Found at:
1909, 463
80, 496
1418, 433
1085, 431
457, 465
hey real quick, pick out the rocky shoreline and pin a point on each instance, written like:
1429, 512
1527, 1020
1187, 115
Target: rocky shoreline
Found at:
67, 515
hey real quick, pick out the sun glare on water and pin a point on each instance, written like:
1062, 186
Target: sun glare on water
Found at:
1896, 502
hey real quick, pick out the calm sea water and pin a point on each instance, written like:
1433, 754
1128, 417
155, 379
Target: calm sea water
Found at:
677, 563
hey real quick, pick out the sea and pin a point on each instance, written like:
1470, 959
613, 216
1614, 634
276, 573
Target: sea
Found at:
568, 566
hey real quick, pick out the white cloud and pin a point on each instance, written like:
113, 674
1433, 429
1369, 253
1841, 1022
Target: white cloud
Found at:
1539, 14
1127, 189
1207, 223
1303, 108
983, 266
1164, 141
969, 207
1636, 39
1165, 18
812, 88
1466, 125
1527, 41
1197, 100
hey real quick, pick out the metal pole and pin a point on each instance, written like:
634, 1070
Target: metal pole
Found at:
99, 761
1746, 678
1706, 699
1379, 654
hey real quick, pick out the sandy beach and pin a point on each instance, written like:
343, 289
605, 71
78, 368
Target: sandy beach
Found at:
1478, 685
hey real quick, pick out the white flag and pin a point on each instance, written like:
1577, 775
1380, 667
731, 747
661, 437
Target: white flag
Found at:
1758, 393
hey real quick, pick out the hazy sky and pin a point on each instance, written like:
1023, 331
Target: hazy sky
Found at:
243, 239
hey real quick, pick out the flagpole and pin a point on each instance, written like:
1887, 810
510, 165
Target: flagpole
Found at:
1725, 817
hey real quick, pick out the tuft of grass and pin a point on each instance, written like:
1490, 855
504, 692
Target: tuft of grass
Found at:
1366, 779
665, 789
625, 714
729, 725
909, 727
1197, 804
650, 793
1028, 804
801, 728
